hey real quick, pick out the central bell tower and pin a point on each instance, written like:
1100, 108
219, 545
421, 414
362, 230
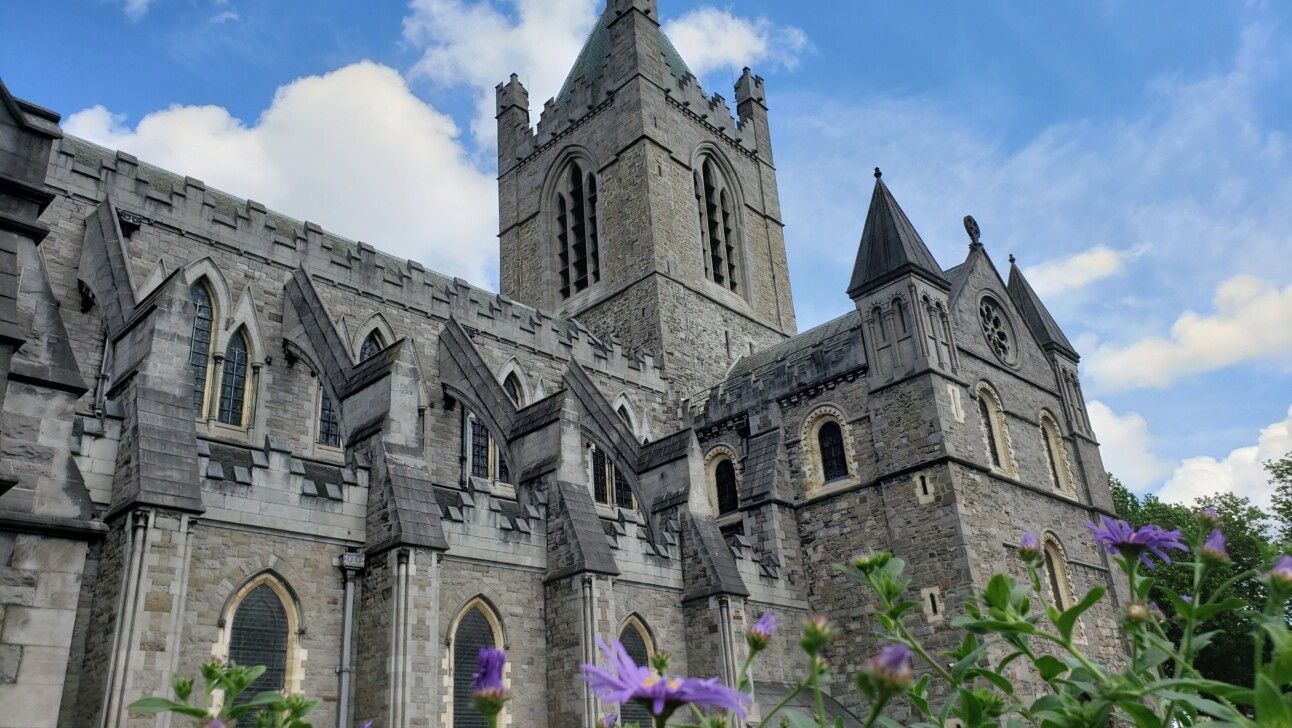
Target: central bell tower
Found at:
642, 208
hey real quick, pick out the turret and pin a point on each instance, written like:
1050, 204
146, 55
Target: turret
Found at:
751, 106
514, 136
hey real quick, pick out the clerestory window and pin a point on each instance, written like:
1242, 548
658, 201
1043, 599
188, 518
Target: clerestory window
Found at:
371, 345
199, 357
233, 381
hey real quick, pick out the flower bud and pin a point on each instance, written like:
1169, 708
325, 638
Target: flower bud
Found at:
870, 561
1280, 577
816, 633
1137, 612
1213, 549
1028, 550
659, 661
1208, 517
891, 669
761, 635
609, 721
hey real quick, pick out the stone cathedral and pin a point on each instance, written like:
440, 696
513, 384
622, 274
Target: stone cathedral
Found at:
227, 434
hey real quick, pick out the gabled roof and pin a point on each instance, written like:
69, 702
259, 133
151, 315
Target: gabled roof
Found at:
592, 60
890, 247
1038, 319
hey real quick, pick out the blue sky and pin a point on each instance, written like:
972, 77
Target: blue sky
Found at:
1134, 156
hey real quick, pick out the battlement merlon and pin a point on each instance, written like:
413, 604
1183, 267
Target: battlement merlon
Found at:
515, 138
751, 106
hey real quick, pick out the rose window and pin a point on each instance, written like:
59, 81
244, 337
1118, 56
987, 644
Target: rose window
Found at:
997, 329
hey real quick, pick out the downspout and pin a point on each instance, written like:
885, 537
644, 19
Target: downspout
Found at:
589, 614
351, 563
728, 647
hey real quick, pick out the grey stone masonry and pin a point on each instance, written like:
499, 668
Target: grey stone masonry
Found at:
189, 415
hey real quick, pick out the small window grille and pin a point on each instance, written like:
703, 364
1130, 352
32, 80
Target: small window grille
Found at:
259, 637
635, 645
233, 383
834, 464
479, 449
599, 490
329, 428
200, 343
724, 477
473, 633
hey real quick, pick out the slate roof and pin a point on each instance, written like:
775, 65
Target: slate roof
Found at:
592, 60
890, 247
1038, 319
792, 350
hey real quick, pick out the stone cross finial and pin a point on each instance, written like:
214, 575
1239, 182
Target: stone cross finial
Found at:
971, 227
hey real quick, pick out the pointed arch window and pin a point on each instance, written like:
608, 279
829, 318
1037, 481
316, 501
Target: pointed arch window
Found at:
512, 386
719, 236
992, 416
199, 357
1056, 573
599, 489
259, 636
724, 477
623, 491
475, 630
371, 345
233, 380
1056, 456
577, 244
329, 425
834, 463
637, 644
479, 449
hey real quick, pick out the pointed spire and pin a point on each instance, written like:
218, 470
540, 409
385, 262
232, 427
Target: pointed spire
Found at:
591, 65
1038, 319
890, 247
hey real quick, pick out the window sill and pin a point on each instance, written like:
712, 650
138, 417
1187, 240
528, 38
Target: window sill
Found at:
832, 487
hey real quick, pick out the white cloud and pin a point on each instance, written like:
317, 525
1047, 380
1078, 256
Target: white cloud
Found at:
476, 45
1240, 472
1055, 277
1252, 320
1127, 447
353, 150
710, 39
136, 9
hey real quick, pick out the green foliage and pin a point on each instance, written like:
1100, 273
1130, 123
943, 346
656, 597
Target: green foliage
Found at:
1281, 476
223, 683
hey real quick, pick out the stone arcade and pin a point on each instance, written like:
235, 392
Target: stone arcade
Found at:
229, 434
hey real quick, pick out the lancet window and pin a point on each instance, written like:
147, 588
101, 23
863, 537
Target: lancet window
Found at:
719, 235
577, 243
233, 380
199, 358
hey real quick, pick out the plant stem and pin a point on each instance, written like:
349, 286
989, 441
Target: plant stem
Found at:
797, 689
875, 710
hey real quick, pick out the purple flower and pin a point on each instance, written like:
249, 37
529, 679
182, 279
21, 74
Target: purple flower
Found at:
761, 634
487, 689
610, 721
366, 724
215, 723
1209, 515
1117, 536
1281, 574
1186, 599
627, 681
1214, 546
891, 668
1028, 549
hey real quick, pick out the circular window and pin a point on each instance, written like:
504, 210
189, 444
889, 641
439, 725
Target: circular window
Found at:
997, 329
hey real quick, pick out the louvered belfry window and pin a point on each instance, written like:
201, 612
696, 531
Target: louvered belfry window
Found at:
578, 249
474, 632
717, 226
259, 637
635, 645
200, 344
233, 381
724, 477
833, 462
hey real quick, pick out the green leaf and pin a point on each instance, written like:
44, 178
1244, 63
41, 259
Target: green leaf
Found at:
1271, 709
1142, 715
999, 681
1050, 667
998, 591
1069, 618
155, 705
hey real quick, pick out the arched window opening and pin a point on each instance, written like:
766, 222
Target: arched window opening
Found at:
899, 313
474, 631
1056, 569
724, 477
199, 357
233, 380
512, 386
1055, 455
329, 426
623, 415
599, 490
990, 414
834, 464
371, 345
719, 236
623, 492
933, 603
259, 637
578, 248
638, 647
878, 315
